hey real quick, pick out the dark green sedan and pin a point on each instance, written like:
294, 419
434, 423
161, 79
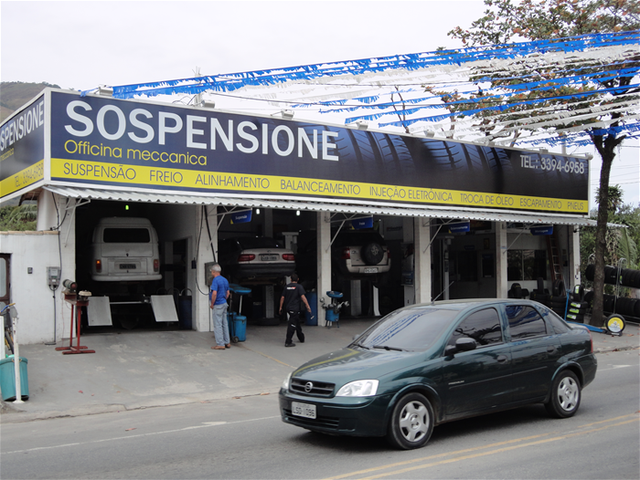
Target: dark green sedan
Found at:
428, 364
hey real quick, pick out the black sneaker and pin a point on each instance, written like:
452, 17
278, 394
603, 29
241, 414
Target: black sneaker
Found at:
290, 344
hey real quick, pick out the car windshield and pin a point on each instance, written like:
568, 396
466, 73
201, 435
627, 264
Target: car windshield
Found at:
413, 329
126, 235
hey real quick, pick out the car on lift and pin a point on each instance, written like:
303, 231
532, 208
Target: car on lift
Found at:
355, 255
255, 260
360, 254
427, 364
125, 249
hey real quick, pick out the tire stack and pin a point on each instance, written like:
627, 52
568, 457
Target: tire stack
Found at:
540, 294
516, 291
577, 305
628, 307
628, 277
556, 300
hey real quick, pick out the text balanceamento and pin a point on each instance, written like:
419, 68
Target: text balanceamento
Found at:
185, 179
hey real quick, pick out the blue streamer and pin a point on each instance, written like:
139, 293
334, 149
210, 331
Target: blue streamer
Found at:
230, 82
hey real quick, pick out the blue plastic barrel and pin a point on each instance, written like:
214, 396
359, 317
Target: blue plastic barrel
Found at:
312, 318
240, 327
8, 379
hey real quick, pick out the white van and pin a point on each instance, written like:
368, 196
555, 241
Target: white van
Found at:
125, 249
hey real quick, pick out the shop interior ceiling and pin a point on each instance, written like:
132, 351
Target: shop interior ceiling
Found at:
407, 93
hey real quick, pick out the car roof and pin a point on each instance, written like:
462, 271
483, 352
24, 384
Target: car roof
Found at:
464, 303
124, 221
255, 242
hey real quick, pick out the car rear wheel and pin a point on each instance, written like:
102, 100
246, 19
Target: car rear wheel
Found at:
411, 422
565, 395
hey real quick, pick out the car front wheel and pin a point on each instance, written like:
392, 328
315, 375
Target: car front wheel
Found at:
411, 422
565, 395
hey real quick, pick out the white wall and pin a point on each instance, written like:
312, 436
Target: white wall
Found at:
30, 291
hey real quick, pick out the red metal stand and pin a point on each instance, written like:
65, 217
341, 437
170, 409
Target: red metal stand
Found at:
76, 306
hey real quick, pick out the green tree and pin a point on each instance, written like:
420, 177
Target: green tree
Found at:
506, 20
18, 218
622, 243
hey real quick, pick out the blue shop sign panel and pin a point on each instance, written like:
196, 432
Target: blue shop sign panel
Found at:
101, 141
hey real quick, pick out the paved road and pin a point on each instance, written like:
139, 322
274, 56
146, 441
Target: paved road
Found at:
243, 438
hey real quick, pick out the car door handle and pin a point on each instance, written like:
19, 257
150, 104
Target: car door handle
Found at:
502, 358
551, 349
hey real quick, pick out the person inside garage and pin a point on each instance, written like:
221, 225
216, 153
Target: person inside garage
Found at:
293, 297
218, 296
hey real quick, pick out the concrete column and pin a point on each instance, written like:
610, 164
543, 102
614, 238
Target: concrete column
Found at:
47, 213
204, 255
501, 260
422, 241
324, 261
355, 300
268, 222
407, 237
574, 256
48, 218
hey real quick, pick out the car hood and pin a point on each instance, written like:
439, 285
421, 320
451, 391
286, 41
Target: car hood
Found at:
348, 364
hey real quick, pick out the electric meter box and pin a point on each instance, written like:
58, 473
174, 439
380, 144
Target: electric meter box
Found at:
53, 276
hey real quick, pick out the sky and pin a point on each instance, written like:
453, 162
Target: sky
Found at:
85, 44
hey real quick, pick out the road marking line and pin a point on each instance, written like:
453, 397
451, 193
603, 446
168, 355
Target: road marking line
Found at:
268, 356
141, 435
407, 462
482, 454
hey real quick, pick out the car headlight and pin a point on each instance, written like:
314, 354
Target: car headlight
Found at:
285, 383
359, 388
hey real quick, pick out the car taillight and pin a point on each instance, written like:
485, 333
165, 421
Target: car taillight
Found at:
289, 257
346, 253
247, 257
98, 266
156, 265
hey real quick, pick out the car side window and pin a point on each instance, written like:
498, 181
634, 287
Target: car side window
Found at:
483, 326
525, 322
555, 324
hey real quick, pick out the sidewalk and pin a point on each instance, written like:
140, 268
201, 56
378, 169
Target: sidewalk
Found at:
146, 369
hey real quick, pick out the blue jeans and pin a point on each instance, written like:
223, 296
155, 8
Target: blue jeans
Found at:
220, 324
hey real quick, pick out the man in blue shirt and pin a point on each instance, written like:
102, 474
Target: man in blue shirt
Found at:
218, 303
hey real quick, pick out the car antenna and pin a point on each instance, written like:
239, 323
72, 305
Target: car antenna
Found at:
438, 296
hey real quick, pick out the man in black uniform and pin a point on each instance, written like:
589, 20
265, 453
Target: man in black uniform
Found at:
293, 296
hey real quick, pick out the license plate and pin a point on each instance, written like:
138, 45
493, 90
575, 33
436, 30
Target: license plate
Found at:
269, 258
303, 410
371, 270
127, 266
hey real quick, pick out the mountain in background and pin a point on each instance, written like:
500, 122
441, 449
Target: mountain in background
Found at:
15, 94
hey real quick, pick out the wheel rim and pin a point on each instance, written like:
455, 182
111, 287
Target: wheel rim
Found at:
414, 421
568, 394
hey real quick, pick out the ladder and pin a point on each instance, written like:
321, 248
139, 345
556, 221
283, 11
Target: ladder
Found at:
553, 250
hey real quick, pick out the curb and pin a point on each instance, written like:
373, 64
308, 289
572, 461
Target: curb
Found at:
12, 414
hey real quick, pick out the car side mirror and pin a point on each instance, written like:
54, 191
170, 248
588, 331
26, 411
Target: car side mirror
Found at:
463, 344
450, 350
466, 344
